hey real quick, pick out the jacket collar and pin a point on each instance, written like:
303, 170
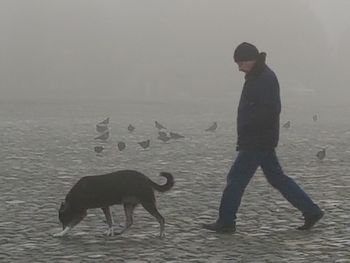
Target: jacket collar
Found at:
258, 68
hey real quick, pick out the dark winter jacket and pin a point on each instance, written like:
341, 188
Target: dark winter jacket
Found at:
259, 109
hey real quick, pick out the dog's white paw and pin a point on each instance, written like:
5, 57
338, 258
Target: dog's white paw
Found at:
110, 232
60, 234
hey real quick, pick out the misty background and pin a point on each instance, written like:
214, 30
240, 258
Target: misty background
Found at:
167, 50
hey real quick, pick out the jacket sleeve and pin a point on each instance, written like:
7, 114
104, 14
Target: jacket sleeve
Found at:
265, 107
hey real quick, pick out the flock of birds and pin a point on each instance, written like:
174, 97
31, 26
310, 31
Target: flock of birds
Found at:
164, 136
320, 154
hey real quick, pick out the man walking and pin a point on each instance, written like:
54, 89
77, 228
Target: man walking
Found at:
257, 137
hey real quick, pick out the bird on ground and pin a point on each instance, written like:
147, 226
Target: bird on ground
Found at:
104, 136
101, 127
174, 135
163, 136
159, 126
321, 154
105, 121
212, 127
121, 146
286, 125
98, 149
315, 117
144, 144
131, 128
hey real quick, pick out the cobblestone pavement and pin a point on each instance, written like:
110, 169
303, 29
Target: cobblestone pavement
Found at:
40, 162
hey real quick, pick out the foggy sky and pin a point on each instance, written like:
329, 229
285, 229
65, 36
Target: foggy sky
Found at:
171, 49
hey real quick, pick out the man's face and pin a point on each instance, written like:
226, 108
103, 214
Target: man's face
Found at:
246, 66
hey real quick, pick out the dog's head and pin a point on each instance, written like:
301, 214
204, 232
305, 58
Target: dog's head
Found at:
68, 216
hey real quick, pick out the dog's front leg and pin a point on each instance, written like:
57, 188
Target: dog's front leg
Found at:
109, 218
62, 233
128, 209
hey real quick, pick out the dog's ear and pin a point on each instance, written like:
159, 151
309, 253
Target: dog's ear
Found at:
63, 206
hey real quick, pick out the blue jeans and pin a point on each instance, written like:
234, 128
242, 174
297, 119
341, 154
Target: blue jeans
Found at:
243, 169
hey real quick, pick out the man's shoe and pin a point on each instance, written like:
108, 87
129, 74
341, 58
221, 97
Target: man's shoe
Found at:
219, 228
310, 221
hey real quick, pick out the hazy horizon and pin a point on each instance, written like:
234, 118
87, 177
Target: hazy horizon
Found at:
168, 50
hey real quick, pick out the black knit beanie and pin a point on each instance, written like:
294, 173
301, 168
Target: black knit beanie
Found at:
245, 52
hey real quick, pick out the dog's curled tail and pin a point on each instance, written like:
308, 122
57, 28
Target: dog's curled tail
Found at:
165, 187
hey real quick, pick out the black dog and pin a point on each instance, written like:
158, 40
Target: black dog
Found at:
125, 187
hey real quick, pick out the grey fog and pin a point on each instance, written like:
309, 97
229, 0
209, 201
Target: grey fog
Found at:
168, 50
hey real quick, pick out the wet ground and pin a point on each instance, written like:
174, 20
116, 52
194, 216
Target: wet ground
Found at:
42, 157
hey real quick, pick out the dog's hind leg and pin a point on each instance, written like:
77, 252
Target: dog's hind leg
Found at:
152, 209
129, 210
109, 218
